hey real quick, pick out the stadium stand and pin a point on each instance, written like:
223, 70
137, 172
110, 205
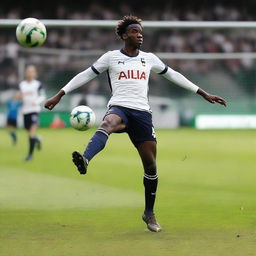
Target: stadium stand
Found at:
203, 41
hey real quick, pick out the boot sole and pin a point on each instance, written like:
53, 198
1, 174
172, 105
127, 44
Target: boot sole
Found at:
79, 162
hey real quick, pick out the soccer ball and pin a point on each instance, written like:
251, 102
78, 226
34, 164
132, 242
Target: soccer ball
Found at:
31, 32
82, 118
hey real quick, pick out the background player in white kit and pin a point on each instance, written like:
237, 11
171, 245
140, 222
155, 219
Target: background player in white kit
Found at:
128, 70
32, 96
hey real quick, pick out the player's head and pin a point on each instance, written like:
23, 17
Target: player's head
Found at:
129, 29
16, 96
30, 72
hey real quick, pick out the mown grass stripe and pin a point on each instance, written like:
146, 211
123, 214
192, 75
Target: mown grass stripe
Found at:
21, 189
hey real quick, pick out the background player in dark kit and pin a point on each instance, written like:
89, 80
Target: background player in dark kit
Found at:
12, 107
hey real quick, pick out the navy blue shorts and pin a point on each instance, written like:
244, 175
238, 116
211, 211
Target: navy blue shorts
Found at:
12, 122
30, 120
138, 123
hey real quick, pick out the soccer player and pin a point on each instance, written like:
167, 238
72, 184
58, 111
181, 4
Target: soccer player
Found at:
13, 106
32, 96
128, 111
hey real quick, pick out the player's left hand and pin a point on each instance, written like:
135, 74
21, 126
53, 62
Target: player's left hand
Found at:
214, 98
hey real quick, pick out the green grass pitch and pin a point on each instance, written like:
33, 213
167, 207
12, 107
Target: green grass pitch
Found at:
206, 200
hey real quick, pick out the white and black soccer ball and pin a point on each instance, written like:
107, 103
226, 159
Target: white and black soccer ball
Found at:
82, 118
31, 32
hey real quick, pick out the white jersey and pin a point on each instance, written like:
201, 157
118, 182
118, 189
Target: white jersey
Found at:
128, 76
32, 96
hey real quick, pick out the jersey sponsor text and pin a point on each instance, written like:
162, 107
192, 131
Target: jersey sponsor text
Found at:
132, 74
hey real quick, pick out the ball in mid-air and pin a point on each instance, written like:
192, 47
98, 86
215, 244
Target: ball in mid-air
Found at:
82, 118
31, 32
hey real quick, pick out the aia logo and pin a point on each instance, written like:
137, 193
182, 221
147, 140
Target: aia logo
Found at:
132, 74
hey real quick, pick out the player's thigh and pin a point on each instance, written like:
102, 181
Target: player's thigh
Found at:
141, 127
31, 122
147, 151
11, 123
112, 123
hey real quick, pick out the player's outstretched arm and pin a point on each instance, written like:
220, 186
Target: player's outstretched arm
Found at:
211, 98
77, 81
53, 101
182, 81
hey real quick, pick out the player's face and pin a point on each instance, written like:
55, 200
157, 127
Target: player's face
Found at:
17, 96
31, 73
133, 35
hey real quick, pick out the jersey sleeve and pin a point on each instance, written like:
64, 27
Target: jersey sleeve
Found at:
180, 80
102, 64
79, 80
157, 65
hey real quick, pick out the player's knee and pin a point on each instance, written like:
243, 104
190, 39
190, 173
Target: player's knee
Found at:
150, 169
109, 125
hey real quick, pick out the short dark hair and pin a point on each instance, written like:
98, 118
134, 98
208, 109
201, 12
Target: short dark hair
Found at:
125, 22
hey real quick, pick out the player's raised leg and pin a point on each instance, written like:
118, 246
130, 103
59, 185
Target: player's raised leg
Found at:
147, 151
111, 123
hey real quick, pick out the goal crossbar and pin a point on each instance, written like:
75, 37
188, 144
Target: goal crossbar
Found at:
146, 24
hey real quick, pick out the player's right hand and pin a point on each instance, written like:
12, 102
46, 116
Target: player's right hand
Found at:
50, 104
53, 101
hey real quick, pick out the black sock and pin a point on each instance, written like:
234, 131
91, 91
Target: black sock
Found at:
32, 142
150, 184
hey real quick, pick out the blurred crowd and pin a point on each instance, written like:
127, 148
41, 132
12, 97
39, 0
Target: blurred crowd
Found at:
156, 40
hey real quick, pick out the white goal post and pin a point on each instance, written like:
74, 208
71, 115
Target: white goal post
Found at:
58, 23
108, 24
176, 108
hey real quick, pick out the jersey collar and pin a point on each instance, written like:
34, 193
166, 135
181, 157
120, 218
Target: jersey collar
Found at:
123, 52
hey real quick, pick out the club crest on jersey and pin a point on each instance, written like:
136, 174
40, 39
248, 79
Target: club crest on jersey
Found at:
143, 62
132, 74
